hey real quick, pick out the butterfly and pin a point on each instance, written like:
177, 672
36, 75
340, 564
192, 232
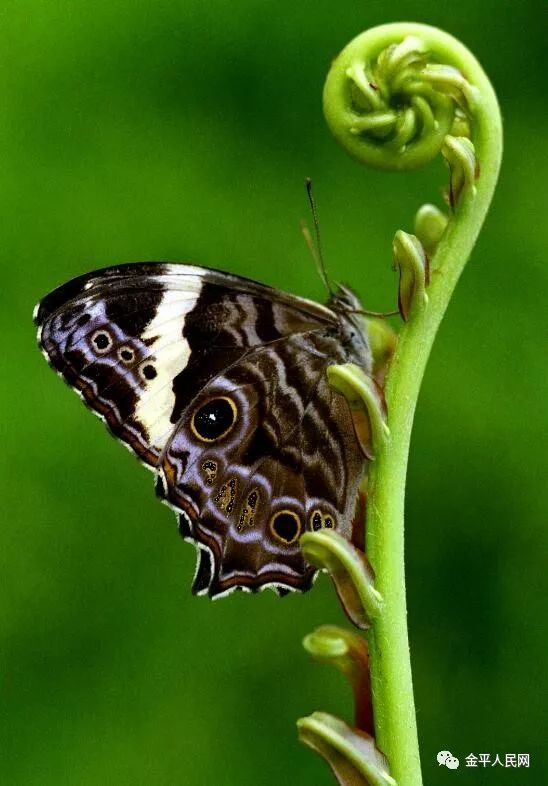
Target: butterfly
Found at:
218, 384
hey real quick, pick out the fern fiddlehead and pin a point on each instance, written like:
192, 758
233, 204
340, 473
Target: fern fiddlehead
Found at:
396, 97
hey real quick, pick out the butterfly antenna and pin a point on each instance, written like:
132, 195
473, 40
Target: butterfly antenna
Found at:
316, 248
310, 243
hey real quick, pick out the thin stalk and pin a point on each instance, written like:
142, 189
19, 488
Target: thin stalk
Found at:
396, 97
393, 702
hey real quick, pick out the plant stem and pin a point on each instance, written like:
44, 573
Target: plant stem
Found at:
395, 722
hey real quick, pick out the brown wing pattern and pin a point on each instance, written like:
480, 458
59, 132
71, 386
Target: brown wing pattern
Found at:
286, 461
218, 383
118, 337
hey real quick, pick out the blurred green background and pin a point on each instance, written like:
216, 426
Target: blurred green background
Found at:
184, 130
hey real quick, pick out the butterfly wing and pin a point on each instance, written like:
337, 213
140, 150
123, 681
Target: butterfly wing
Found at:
218, 383
138, 341
279, 457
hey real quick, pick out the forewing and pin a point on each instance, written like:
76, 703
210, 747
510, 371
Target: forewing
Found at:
139, 341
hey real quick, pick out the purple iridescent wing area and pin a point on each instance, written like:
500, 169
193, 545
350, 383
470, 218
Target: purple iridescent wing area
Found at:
218, 384
287, 461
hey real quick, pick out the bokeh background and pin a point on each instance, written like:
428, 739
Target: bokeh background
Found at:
184, 130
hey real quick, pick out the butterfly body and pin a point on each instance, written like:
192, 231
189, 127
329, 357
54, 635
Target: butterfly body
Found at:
218, 384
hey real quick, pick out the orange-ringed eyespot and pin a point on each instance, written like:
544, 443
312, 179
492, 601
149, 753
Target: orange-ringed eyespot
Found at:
285, 526
319, 520
148, 371
126, 354
101, 341
213, 420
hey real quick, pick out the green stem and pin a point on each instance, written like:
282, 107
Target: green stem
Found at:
395, 723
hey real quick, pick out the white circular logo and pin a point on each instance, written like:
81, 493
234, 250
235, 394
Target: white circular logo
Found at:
446, 759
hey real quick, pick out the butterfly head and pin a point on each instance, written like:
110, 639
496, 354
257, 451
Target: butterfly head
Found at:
345, 300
